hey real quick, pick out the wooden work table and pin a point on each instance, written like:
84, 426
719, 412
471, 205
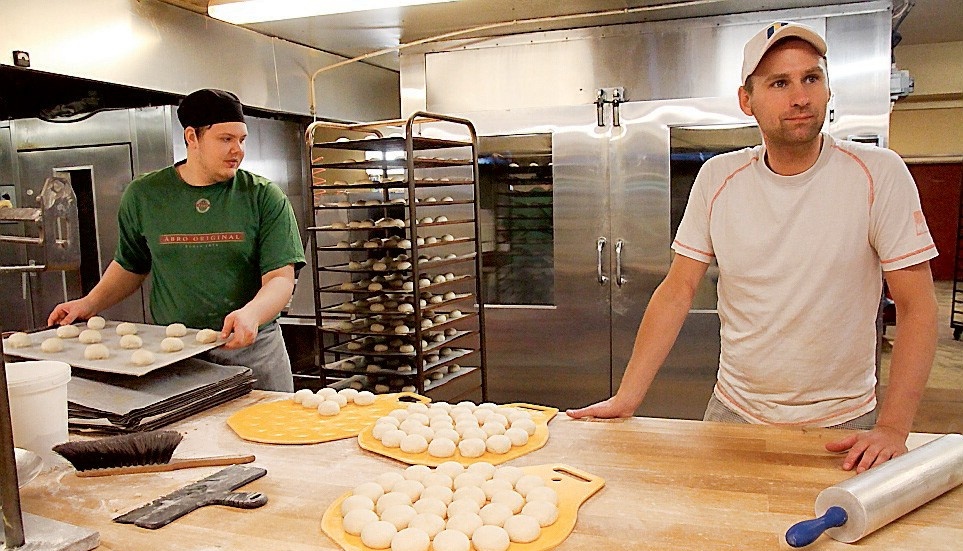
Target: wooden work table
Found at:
670, 484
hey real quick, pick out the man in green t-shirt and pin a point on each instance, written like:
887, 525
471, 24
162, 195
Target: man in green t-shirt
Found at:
221, 245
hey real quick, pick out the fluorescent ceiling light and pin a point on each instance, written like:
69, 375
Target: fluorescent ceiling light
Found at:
240, 12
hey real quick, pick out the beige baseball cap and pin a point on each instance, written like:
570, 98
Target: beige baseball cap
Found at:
759, 44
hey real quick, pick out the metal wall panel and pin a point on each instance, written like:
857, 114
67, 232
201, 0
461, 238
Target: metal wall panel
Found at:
152, 45
15, 305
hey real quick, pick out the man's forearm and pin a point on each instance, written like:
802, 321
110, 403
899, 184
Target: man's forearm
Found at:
912, 359
115, 285
273, 296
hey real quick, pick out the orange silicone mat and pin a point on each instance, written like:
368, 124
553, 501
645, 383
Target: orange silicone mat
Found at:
541, 415
573, 486
287, 422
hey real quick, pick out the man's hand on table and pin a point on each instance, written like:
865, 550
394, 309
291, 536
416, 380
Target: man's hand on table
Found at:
606, 409
867, 449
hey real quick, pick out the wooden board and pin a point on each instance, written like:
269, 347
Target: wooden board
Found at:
573, 486
541, 416
287, 422
119, 360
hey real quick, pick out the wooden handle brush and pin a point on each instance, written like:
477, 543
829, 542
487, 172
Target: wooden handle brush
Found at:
146, 452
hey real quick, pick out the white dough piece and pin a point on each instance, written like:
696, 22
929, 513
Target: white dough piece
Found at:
509, 473
172, 344
431, 505
357, 519
498, 443
482, 468
364, 398
528, 483
131, 342
495, 514
495, 485
471, 493
462, 506
544, 512
126, 328
522, 529
312, 401
300, 395
525, 424
141, 356
466, 523
399, 515
451, 540
176, 330
542, 493
411, 488
96, 322
19, 340
96, 351
372, 490
441, 447
68, 331
441, 493
517, 436
353, 502
414, 443
510, 498
349, 394
378, 534
411, 539
472, 447
52, 345
391, 499
388, 480
90, 336
206, 336
429, 523
490, 538
329, 408
393, 438
437, 479
416, 472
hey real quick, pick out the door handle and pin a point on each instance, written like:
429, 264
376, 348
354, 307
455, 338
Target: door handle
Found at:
619, 280
599, 246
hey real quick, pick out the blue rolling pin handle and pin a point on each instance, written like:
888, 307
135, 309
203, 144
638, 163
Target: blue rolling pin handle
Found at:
805, 532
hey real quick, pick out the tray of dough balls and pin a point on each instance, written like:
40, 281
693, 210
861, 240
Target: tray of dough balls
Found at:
431, 434
480, 507
115, 347
311, 418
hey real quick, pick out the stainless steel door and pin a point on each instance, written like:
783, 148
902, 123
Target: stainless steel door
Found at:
101, 174
641, 233
559, 354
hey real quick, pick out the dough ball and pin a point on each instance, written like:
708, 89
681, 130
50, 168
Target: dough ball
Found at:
472, 493
527, 483
357, 519
466, 523
483, 469
432, 506
380, 430
90, 336
511, 498
437, 479
141, 356
411, 488
490, 538
96, 323
544, 512
472, 447
20, 340
522, 529
450, 540
495, 514
509, 473
353, 502
327, 393
399, 515
411, 539
378, 534
525, 424
126, 328
371, 490
131, 342
388, 480
52, 345
429, 523
542, 493
172, 344
390, 500
416, 472
495, 485
176, 330
517, 436
300, 395
441, 493
468, 479
450, 468
96, 351
441, 447
68, 331
206, 336
414, 443
329, 408
312, 401
498, 443
393, 438
348, 393
462, 506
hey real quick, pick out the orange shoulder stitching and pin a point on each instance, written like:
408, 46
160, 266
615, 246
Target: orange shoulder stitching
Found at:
726, 182
869, 177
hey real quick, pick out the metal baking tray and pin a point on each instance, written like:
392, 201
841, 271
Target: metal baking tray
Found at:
119, 360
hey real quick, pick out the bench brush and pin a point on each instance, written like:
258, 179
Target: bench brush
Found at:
145, 452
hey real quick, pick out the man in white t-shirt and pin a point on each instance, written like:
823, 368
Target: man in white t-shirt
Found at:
802, 228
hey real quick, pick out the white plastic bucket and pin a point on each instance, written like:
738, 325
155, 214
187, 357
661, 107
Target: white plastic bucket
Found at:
38, 405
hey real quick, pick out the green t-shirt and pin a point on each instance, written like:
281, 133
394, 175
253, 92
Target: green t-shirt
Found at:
206, 248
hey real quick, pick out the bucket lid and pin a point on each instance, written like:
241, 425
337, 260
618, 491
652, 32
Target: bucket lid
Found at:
26, 377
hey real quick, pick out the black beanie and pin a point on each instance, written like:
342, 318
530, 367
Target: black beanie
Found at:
209, 106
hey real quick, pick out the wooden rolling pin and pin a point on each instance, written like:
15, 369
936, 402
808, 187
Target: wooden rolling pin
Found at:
868, 501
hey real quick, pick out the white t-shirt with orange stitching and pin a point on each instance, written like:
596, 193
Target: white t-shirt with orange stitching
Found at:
800, 260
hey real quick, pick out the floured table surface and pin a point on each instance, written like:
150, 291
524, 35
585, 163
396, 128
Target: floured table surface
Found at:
119, 360
541, 415
287, 422
572, 485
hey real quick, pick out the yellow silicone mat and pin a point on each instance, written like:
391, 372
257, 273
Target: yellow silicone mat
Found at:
573, 486
541, 415
287, 422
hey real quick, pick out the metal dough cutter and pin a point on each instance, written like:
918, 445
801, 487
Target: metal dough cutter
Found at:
216, 489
